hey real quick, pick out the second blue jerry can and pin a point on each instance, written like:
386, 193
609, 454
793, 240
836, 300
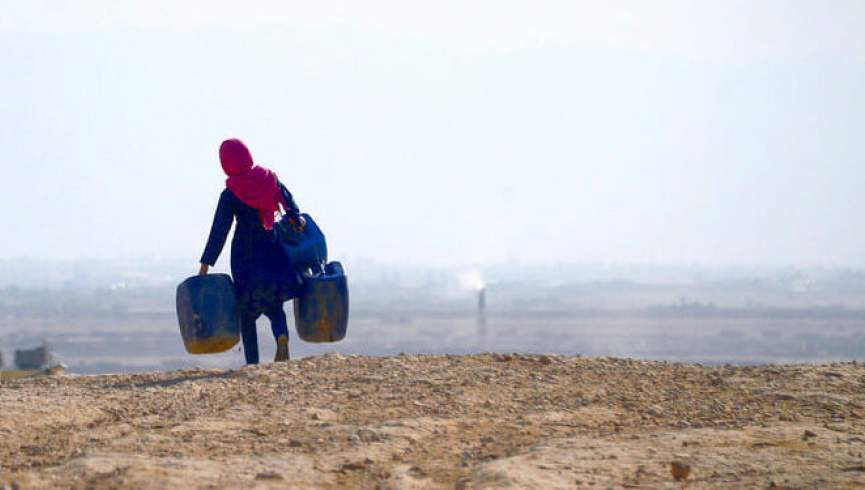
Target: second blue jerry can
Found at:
321, 310
307, 248
207, 315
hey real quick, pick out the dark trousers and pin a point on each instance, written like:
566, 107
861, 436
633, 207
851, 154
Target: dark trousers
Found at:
278, 324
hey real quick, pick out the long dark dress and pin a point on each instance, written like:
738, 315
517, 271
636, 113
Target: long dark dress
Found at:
263, 276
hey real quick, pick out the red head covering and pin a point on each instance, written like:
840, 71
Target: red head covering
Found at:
256, 186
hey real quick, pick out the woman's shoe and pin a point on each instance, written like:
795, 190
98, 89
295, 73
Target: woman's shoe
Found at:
281, 349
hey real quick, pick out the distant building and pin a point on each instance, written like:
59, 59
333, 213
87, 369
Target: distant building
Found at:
38, 358
1, 360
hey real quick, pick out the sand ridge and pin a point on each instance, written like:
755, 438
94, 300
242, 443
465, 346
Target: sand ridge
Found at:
417, 421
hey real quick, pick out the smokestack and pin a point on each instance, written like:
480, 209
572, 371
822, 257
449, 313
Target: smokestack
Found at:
482, 311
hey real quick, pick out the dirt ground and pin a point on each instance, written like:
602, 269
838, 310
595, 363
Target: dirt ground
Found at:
484, 421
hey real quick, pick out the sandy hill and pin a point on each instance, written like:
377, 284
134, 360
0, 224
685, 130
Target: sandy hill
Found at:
484, 421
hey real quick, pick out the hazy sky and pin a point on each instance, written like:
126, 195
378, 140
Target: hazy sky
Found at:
717, 133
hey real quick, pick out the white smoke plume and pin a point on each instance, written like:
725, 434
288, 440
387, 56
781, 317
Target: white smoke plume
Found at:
472, 280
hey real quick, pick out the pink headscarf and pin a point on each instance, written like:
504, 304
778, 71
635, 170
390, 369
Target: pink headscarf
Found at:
256, 186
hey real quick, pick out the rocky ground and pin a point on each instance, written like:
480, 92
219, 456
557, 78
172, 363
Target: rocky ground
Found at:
485, 421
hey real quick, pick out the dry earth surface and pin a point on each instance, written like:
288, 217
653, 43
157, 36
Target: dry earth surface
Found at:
484, 421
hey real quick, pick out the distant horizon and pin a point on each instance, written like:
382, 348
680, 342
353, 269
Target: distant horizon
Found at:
453, 265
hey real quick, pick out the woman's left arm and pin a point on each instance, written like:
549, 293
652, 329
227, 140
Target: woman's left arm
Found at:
222, 221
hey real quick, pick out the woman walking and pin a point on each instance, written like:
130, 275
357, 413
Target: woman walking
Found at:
263, 276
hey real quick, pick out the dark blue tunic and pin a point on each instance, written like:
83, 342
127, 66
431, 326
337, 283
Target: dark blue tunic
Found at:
263, 276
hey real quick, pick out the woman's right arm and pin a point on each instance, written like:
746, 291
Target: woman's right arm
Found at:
291, 208
218, 232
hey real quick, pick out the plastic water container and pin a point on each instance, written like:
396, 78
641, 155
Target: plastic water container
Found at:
207, 315
321, 310
305, 249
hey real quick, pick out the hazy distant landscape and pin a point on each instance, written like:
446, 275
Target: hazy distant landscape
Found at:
117, 316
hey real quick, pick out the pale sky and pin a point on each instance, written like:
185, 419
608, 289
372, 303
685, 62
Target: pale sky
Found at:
712, 133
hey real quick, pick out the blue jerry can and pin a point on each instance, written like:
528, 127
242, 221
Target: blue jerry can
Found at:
305, 249
321, 310
207, 315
